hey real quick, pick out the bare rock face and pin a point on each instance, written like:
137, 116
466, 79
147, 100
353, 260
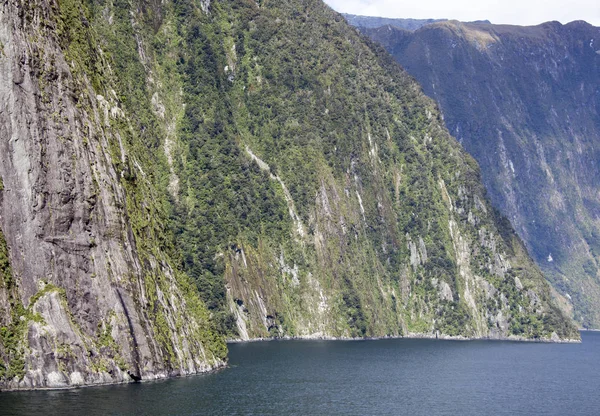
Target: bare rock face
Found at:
79, 304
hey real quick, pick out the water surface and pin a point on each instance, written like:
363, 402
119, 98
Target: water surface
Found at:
386, 377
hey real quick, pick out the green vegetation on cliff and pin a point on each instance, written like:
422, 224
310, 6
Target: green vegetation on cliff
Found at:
11, 330
114, 60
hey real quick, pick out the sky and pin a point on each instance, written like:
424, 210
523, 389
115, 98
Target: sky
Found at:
517, 12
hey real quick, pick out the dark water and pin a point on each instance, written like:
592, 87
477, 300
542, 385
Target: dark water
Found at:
387, 377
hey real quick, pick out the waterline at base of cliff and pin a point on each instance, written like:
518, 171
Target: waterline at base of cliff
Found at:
387, 377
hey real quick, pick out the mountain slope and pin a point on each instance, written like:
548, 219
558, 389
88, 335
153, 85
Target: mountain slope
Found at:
293, 172
524, 101
319, 180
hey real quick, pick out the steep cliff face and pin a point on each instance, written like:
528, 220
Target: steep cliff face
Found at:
314, 175
87, 293
525, 101
295, 173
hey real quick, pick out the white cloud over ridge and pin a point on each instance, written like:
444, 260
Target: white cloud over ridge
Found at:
516, 12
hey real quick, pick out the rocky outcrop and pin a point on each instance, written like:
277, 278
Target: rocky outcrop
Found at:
524, 102
80, 301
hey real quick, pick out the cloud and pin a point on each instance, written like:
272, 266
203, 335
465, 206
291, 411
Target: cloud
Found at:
519, 12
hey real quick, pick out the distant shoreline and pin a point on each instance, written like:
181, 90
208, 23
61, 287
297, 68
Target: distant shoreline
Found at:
319, 337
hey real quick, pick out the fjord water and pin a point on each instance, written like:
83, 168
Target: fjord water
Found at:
385, 377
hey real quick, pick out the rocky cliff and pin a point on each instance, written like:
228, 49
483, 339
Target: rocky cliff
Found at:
88, 294
291, 169
525, 102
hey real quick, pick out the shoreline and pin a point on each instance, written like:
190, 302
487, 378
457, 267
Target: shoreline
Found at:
441, 337
313, 337
171, 376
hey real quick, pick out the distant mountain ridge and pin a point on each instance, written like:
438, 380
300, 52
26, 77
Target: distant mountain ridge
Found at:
525, 102
371, 22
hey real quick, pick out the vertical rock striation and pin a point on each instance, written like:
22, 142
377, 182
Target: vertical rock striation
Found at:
80, 302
